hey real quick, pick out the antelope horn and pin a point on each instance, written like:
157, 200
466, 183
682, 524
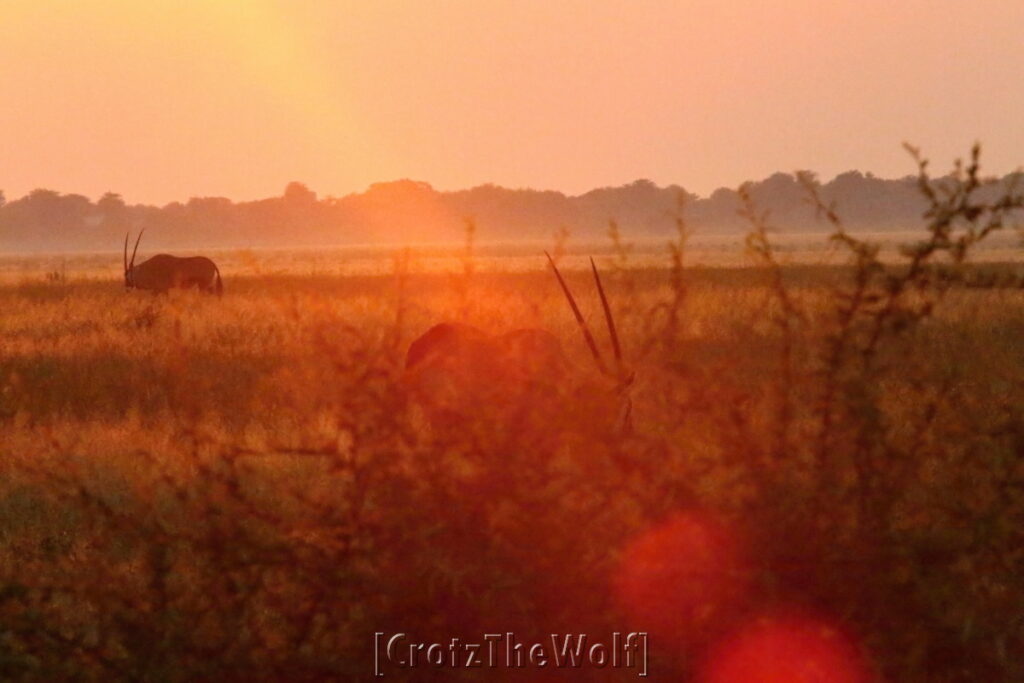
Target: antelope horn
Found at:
608, 318
579, 317
132, 264
126, 253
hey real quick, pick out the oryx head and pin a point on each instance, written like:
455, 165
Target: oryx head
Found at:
129, 266
620, 377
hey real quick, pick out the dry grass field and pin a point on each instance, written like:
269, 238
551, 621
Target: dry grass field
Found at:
194, 488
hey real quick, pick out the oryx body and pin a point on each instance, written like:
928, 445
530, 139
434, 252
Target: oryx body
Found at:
460, 374
456, 371
164, 272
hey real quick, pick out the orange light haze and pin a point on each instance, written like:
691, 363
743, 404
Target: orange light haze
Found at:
166, 99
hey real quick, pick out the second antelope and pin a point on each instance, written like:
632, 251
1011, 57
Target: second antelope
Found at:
460, 374
164, 272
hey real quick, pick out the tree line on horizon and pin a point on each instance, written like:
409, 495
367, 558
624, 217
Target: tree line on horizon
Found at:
407, 211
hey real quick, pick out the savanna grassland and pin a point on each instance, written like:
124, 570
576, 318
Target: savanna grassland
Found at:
824, 480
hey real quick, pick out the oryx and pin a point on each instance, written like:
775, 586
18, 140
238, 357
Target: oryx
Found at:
164, 272
459, 373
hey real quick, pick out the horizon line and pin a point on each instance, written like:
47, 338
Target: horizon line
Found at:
431, 187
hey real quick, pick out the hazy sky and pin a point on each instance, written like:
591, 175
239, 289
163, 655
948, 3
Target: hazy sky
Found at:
166, 99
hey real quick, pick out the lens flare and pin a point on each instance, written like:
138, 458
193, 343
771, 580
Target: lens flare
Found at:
683, 579
786, 649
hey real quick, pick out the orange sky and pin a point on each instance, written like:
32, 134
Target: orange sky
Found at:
166, 99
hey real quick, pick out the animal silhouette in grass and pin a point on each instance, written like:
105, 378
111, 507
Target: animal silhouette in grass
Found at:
460, 374
164, 272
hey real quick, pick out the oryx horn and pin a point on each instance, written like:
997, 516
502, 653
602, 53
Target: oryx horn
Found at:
579, 317
137, 240
608, 318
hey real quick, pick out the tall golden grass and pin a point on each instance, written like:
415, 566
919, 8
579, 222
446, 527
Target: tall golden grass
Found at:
237, 489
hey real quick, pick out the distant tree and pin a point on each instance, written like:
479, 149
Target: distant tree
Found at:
47, 216
40, 197
54, 210
110, 202
298, 194
113, 211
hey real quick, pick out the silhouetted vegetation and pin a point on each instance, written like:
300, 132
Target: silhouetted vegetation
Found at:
240, 490
406, 211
